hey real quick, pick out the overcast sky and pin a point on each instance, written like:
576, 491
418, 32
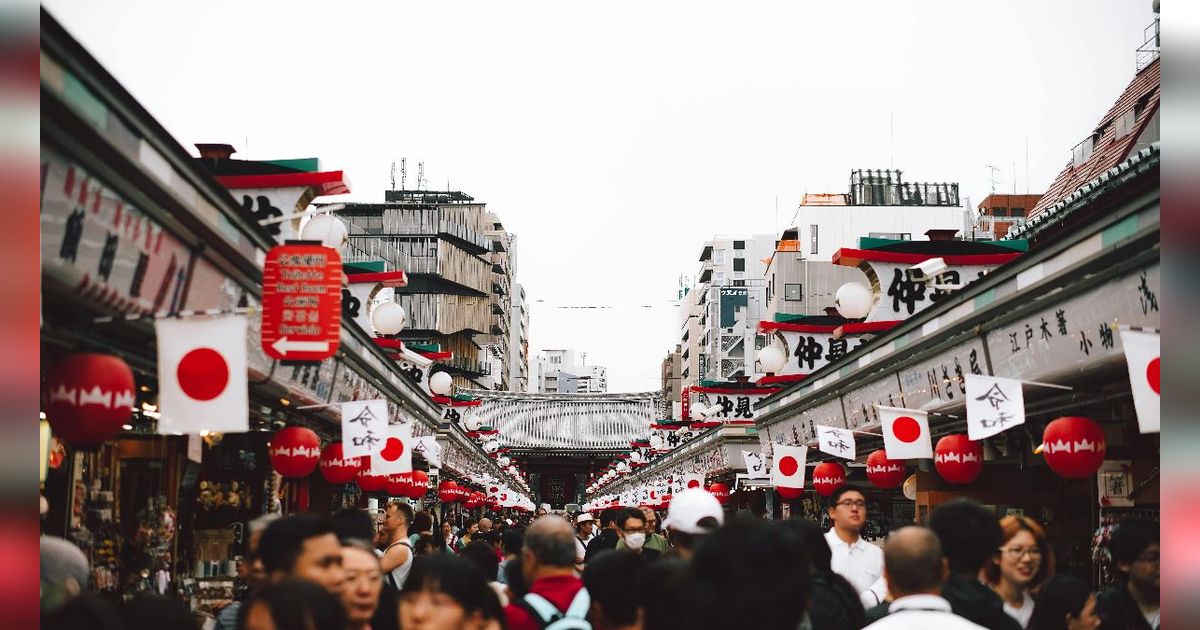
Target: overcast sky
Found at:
614, 138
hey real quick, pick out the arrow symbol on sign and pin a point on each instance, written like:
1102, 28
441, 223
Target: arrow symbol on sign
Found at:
283, 346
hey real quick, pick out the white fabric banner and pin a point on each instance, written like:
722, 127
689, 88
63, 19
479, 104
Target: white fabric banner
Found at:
364, 427
202, 377
1142, 354
756, 465
426, 446
837, 442
994, 405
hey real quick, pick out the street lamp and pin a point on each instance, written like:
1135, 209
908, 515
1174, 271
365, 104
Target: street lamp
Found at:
441, 383
772, 359
853, 300
388, 318
325, 228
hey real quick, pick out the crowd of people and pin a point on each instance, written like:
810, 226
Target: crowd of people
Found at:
699, 568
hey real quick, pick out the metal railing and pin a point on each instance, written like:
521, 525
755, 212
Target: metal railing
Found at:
1148, 51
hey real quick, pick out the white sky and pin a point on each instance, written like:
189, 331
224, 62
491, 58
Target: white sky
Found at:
615, 138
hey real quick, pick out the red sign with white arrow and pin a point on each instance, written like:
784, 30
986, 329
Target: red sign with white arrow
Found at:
302, 302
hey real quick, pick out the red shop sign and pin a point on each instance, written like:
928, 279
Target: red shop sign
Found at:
302, 302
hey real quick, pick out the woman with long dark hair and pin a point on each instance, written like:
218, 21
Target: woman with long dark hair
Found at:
1065, 603
446, 592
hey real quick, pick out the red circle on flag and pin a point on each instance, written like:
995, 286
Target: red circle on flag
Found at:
392, 449
788, 465
1152, 374
693, 483
906, 429
202, 374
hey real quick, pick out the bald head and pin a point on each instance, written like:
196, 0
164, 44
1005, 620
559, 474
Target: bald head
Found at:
551, 541
913, 562
485, 524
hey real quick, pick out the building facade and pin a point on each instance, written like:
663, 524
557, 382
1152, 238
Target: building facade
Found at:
518, 342
998, 212
731, 300
564, 371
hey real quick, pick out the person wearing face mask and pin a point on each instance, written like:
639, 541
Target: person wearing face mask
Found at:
631, 527
1023, 563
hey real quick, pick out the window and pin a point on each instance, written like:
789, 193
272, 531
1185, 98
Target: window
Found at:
719, 280
739, 245
892, 236
999, 212
1082, 151
812, 235
739, 264
1017, 212
793, 292
718, 257
739, 283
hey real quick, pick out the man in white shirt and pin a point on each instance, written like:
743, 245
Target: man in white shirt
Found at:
583, 524
914, 572
855, 559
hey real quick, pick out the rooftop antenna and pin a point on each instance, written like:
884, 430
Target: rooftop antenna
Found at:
393, 176
992, 176
403, 171
420, 175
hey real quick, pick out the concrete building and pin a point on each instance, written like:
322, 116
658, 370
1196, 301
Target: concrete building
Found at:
731, 296
801, 278
672, 379
559, 371
518, 342
998, 212
455, 253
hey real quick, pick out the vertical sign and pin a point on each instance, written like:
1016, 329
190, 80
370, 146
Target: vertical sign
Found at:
302, 302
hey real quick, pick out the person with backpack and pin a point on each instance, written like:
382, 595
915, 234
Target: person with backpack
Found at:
557, 599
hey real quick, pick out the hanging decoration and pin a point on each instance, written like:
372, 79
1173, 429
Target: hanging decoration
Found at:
294, 452
89, 397
368, 482
398, 484
447, 492
336, 467
420, 484
719, 490
958, 459
827, 477
884, 472
473, 501
1074, 446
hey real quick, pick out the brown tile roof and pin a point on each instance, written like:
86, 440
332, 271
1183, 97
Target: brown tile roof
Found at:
1109, 150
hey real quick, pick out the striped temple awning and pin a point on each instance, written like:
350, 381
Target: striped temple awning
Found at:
579, 422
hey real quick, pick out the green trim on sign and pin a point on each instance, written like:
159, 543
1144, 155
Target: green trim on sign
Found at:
307, 165
371, 266
785, 318
424, 347
1120, 231
985, 298
900, 341
86, 103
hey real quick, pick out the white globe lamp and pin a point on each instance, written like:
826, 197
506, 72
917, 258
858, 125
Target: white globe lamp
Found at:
772, 359
656, 442
473, 421
853, 300
388, 318
325, 228
441, 383
635, 457
491, 445
503, 461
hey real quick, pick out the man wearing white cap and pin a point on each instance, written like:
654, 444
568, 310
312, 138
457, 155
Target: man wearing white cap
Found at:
584, 524
693, 513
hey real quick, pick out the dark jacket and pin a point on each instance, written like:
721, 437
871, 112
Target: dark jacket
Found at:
834, 606
606, 540
972, 600
1119, 611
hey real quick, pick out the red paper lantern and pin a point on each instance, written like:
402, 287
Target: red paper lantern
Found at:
958, 459
88, 398
420, 484
294, 452
336, 467
370, 483
827, 477
398, 485
884, 472
1074, 446
789, 494
664, 501
447, 492
474, 500
719, 490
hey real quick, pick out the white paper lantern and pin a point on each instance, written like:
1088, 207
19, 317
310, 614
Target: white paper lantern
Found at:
388, 318
325, 228
473, 421
853, 300
440, 383
772, 358
622, 467
503, 461
656, 442
491, 445
635, 457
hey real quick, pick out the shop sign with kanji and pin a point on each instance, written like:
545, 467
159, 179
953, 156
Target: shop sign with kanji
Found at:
302, 302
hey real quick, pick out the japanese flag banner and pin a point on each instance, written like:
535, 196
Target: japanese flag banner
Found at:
202, 376
756, 465
693, 480
1142, 355
994, 405
836, 442
364, 427
492, 489
787, 470
396, 455
905, 433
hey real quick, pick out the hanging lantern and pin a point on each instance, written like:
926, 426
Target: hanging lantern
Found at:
337, 468
441, 383
664, 501
294, 452
827, 477
772, 359
388, 318
473, 421
474, 500
719, 490
420, 484
958, 459
370, 483
789, 494
447, 492
397, 485
1074, 446
325, 228
884, 472
853, 300
89, 397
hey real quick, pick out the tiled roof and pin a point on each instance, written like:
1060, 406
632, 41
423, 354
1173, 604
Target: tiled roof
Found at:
1109, 150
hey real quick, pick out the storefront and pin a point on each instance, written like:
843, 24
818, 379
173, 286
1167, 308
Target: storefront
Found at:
1052, 317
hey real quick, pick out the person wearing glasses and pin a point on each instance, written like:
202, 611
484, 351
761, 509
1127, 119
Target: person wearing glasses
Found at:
855, 559
1023, 563
1133, 602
